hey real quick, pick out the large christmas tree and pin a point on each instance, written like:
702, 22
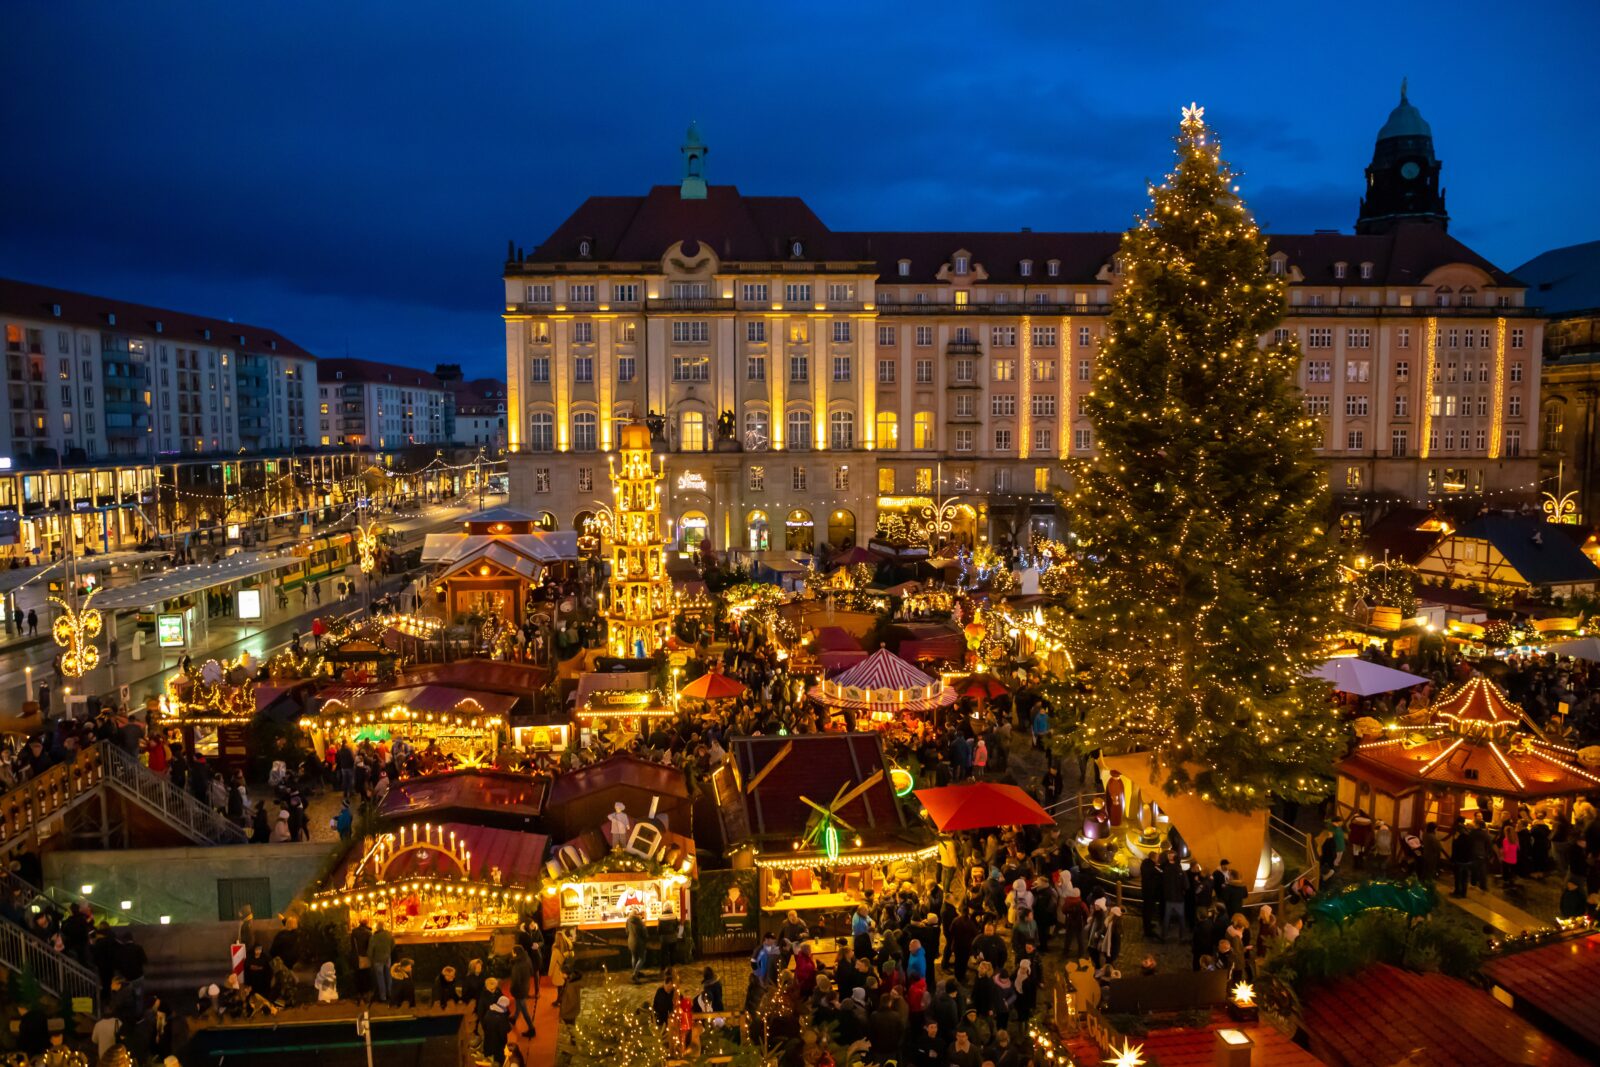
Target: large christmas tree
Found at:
1208, 574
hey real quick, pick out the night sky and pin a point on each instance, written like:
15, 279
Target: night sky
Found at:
349, 173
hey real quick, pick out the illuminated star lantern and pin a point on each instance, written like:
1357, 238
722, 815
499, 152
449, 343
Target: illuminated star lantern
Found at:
1129, 1056
1244, 994
367, 545
75, 630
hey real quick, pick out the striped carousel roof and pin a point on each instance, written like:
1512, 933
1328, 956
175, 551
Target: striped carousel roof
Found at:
1477, 700
883, 670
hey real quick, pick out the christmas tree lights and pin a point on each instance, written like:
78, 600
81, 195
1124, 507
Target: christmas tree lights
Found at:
1207, 576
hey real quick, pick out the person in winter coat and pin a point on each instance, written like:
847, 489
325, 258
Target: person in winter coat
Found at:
445, 989
560, 955
327, 983
637, 942
403, 986
496, 1027
1509, 846
709, 1001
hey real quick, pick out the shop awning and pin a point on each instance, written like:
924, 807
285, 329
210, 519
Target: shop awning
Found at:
981, 805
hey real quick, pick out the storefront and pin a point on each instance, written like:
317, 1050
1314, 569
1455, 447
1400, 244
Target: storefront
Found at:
445, 728
799, 532
842, 528
758, 537
209, 710
616, 706
693, 529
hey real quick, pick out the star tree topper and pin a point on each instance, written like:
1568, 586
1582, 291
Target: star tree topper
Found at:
1194, 115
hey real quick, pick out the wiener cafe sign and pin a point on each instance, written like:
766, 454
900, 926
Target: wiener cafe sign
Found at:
609, 903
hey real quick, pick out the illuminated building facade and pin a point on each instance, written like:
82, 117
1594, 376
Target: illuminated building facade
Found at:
802, 381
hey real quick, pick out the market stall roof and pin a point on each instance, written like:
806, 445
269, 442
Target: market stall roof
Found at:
1558, 983
857, 555
1349, 674
15, 579
883, 670
556, 546
1388, 1015
883, 684
1478, 700
1526, 768
1584, 648
499, 793
519, 856
982, 804
835, 639
624, 768
439, 699
494, 555
595, 681
775, 773
193, 578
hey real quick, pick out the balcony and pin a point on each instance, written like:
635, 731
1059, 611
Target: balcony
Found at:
963, 348
252, 387
1008, 309
124, 376
688, 303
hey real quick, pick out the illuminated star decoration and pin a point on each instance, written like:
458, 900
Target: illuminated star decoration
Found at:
75, 630
1129, 1056
1194, 115
1244, 994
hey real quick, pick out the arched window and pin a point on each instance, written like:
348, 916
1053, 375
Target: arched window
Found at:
692, 432
541, 434
583, 431
799, 533
922, 431
757, 431
888, 431
841, 430
799, 430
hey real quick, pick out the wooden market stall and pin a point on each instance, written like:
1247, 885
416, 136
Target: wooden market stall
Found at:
817, 815
446, 727
618, 704
444, 881
1478, 755
210, 709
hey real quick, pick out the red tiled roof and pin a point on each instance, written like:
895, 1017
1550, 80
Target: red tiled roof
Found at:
1558, 982
485, 676
27, 300
1196, 1047
370, 370
623, 768
1384, 1015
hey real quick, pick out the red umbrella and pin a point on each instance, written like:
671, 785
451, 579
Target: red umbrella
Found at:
980, 805
982, 687
713, 686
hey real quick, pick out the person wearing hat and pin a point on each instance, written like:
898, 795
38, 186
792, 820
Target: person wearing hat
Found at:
496, 1027
709, 1002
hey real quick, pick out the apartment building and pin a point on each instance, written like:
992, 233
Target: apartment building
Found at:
805, 382
367, 404
480, 415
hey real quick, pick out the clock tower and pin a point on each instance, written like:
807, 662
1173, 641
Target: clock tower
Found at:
1403, 178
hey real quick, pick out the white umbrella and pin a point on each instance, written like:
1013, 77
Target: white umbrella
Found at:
1363, 677
1581, 648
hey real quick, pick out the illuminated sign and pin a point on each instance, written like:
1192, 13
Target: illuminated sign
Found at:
169, 629
249, 604
692, 480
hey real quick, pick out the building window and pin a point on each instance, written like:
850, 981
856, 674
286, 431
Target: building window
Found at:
1044, 336
1002, 336
1025, 268
541, 435
797, 292
963, 371
1053, 268
1083, 370
1355, 406
585, 479
756, 331
841, 292
1043, 405
886, 371
924, 336
799, 430
625, 368
1513, 443
841, 331
754, 292
1005, 370
1358, 337
1482, 437
797, 479
1516, 337
1082, 440
1318, 370
965, 406
1002, 404
1401, 403
1002, 439
963, 439
583, 369
885, 479
841, 478
1319, 337
1397, 442
1515, 370
1355, 441
1044, 370
756, 367
924, 372
692, 431
799, 366
961, 264
757, 431
905, 268
1042, 440
886, 335
924, 480
841, 430
1352, 477
541, 479
841, 368
1402, 370
583, 431
758, 479
1514, 406
888, 431
691, 331
922, 430
540, 294
690, 368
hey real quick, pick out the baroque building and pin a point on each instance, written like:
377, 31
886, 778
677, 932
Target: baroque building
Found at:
805, 382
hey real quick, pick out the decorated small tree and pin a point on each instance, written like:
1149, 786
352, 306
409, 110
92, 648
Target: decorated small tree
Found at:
1208, 577
609, 1032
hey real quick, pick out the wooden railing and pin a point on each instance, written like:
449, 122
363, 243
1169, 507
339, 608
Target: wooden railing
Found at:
24, 809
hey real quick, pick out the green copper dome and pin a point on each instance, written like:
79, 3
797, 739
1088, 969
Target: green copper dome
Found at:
1405, 120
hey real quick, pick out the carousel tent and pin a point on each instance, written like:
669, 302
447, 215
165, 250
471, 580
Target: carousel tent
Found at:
884, 684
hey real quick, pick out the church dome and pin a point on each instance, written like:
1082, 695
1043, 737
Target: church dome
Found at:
1405, 121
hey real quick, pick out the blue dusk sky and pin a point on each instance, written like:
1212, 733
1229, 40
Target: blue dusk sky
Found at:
349, 172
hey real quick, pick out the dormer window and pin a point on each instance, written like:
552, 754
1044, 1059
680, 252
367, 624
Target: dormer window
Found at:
55, 309
241, 341
206, 333
1339, 270
111, 318
272, 345
1053, 268
159, 326
796, 249
338, 375
961, 264
1366, 272
1279, 265
1026, 268
905, 268
584, 247
1116, 264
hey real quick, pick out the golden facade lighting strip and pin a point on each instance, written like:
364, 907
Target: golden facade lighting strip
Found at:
1497, 405
1064, 416
1431, 341
1025, 390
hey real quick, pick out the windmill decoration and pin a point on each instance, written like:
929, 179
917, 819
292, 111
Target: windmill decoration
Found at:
75, 630
822, 830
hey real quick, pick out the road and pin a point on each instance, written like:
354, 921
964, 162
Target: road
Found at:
25, 664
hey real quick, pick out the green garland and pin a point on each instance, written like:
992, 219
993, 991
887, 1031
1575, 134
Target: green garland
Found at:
619, 862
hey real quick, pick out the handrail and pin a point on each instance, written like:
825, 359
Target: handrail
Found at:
60, 975
29, 804
174, 804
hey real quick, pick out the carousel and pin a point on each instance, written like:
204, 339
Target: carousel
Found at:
211, 708
881, 690
1478, 755
438, 723
446, 881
